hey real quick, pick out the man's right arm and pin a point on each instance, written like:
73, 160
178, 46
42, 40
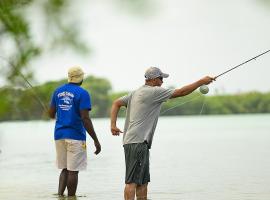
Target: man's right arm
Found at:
114, 112
52, 109
52, 112
191, 87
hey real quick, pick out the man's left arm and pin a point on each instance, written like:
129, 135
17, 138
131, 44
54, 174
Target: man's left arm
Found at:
88, 125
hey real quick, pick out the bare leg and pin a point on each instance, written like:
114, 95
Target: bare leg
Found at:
130, 191
62, 182
72, 182
141, 192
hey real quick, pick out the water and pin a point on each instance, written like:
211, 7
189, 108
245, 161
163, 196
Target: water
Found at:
192, 158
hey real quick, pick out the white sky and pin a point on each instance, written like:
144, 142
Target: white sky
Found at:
187, 39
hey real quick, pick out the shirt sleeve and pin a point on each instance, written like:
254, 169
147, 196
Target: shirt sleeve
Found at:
162, 94
85, 101
125, 99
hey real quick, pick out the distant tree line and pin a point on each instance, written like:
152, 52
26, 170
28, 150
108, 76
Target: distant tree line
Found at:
23, 104
196, 103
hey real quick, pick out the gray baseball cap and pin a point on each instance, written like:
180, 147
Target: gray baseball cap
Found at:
154, 72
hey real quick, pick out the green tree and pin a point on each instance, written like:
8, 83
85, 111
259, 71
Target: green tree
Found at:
5, 106
15, 32
99, 89
18, 41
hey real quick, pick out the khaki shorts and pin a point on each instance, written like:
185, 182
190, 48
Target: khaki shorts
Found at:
71, 154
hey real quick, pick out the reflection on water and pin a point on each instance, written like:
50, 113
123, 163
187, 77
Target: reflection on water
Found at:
63, 197
190, 159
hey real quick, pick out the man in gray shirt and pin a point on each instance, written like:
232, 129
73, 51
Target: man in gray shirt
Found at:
143, 109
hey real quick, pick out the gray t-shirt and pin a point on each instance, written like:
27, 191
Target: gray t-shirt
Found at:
143, 108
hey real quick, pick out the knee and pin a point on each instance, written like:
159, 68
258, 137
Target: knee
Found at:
131, 187
141, 192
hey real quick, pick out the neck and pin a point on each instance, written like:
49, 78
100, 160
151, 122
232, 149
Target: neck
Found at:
150, 83
75, 83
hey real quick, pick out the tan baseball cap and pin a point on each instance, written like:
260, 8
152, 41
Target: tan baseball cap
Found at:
75, 74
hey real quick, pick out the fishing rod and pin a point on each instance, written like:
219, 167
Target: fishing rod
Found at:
204, 88
254, 58
28, 83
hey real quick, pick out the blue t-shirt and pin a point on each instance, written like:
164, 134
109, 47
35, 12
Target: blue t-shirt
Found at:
68, 100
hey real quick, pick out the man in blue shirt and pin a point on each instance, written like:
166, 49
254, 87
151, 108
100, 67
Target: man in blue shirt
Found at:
71, 105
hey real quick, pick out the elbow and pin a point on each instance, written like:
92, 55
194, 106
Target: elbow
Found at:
117, 104
86, 122
178, 93
51, 114
183, 91
85, 119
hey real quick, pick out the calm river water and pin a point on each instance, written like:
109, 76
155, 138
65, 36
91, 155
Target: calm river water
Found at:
192, 158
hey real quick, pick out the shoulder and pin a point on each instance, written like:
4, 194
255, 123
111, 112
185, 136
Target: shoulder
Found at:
126, 98
162, 94
152, 88
76, 89
60, 88
158, 89
82, 89
84, 93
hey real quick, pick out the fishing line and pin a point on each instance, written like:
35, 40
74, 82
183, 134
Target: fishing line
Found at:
202, 105
182, 103
254, 58
28, 83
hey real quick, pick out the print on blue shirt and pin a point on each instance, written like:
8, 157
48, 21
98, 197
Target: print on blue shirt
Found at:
68, 100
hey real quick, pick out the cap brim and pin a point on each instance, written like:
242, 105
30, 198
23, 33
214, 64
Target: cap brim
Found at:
165, 75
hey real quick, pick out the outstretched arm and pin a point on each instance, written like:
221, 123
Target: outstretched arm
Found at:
114, 112
191, 87
90, 129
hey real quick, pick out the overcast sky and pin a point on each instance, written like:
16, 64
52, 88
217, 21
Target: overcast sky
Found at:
187, 39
